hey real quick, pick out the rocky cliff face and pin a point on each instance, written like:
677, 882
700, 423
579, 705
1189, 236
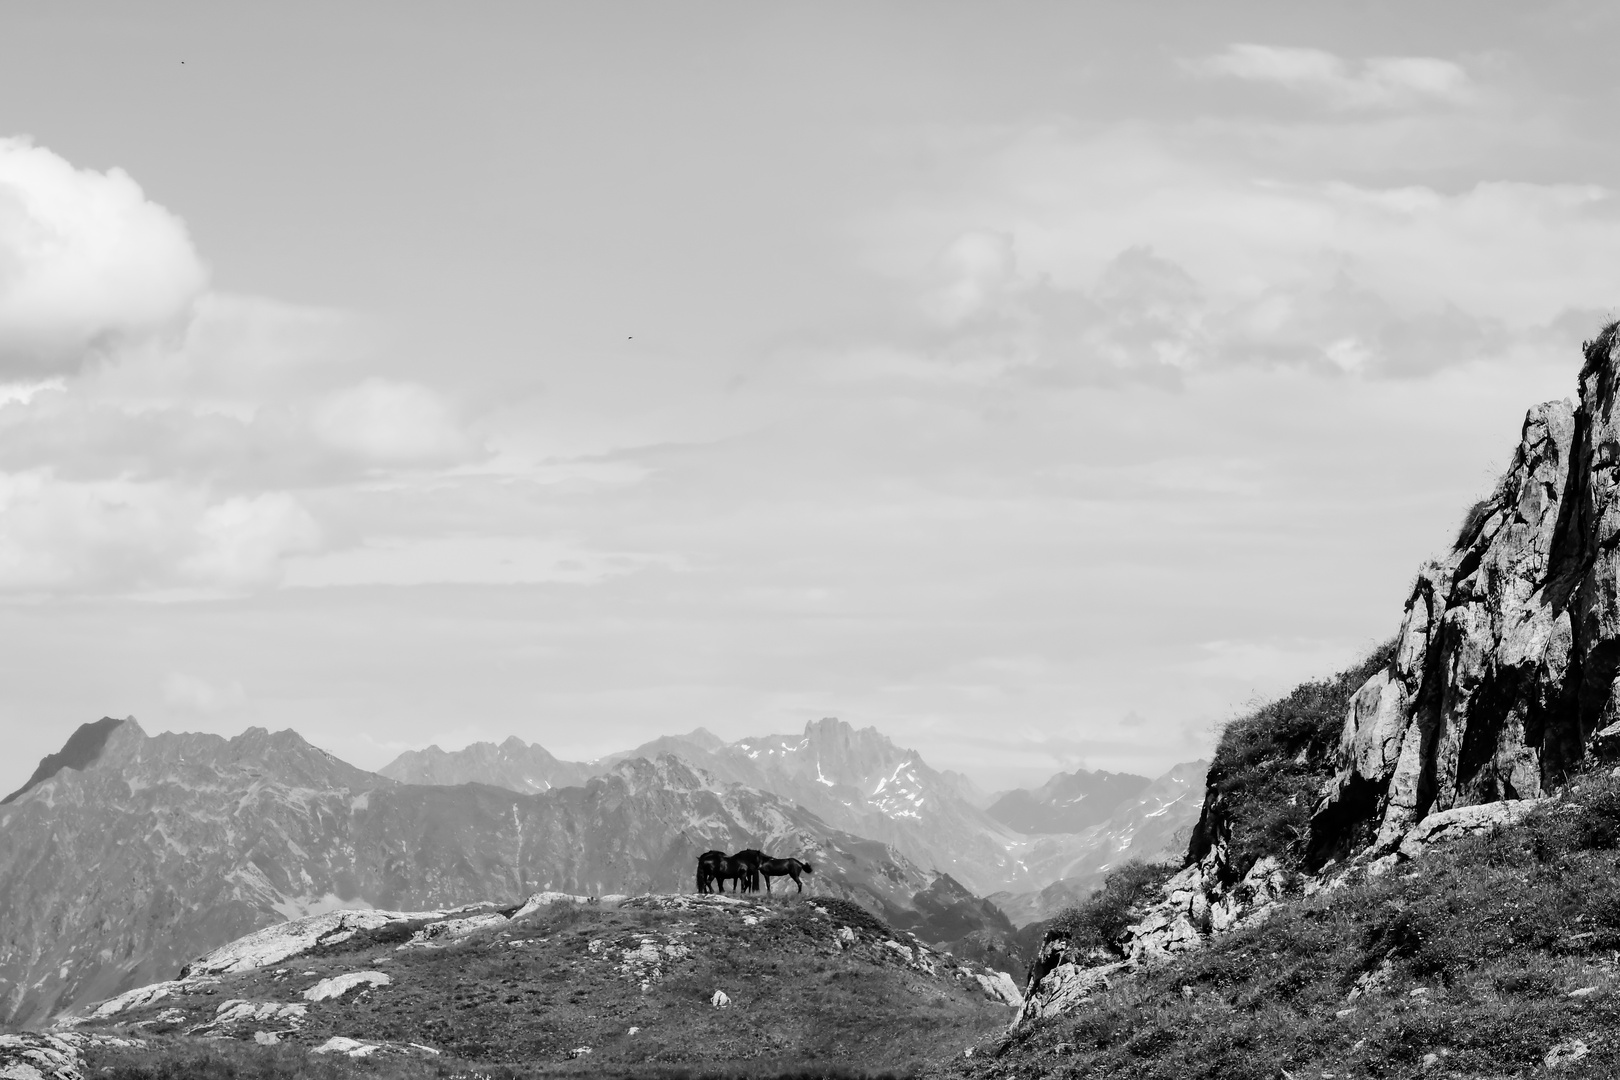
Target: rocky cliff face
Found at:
1505, 667
113, 874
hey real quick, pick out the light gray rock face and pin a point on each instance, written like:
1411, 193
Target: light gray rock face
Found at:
33, 1056
1192, 905
1507, 658
1447, 826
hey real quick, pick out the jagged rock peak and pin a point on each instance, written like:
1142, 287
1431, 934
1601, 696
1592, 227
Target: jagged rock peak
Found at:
665, 772
81, 751
1506, 662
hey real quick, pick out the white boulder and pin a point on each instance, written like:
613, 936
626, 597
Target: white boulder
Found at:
338, 985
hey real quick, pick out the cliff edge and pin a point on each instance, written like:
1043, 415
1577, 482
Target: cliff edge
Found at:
1503, 677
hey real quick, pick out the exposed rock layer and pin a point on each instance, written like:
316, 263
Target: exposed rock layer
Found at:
1507, 658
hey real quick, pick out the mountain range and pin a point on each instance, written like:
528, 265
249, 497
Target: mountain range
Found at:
148, 849
858, 780
127, 853
1067, 803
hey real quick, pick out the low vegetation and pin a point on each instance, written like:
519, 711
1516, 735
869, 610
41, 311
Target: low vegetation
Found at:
190, 1060
1093, 926
1270, 765
1480, 960
593, 990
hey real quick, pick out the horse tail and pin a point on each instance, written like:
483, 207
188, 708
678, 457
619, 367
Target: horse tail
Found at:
808, 868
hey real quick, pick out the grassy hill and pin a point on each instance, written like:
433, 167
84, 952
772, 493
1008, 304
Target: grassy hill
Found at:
1496, 957
806, 987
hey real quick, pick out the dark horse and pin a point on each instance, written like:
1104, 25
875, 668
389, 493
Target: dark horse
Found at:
792, 868
750, 859
715, 868
712, 866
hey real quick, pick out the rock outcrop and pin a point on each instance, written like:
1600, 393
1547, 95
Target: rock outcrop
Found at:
1193, 904
1504, 678
1507, 660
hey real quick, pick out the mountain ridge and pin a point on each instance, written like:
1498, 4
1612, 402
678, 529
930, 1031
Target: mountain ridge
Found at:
859, 780
111, 875
1068, 802
81, 750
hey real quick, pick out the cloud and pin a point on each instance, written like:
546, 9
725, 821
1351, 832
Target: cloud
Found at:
1378, 83
466, 560
61, 536
87, 264
153, 432
1146, 318
242, 540
1130, 254
390, 423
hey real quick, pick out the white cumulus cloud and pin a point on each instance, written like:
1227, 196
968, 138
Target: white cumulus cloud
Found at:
1378, 82
64, 536
87, 263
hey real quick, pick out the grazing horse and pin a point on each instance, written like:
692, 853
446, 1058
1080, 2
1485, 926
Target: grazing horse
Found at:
792, 868
712, 867
750, 858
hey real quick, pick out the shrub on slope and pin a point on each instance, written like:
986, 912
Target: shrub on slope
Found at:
1269, 767
1091, 927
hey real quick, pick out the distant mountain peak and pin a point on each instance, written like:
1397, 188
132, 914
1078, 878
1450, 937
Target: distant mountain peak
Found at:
1068, 802
82, 749
513, 764
702, 736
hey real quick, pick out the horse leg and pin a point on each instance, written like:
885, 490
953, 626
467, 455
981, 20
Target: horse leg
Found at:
796, 880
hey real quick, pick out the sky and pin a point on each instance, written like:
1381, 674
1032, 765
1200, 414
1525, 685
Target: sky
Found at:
1041, 383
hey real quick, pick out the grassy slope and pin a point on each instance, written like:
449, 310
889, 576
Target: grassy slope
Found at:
519, 1001
1496, 933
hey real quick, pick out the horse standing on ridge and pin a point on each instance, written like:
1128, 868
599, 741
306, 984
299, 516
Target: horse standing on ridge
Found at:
790, 868
715, 868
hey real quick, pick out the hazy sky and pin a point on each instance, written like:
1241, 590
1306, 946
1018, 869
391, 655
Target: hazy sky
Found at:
1039, 383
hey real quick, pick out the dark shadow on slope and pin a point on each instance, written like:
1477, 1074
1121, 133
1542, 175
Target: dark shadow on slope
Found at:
79, 752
